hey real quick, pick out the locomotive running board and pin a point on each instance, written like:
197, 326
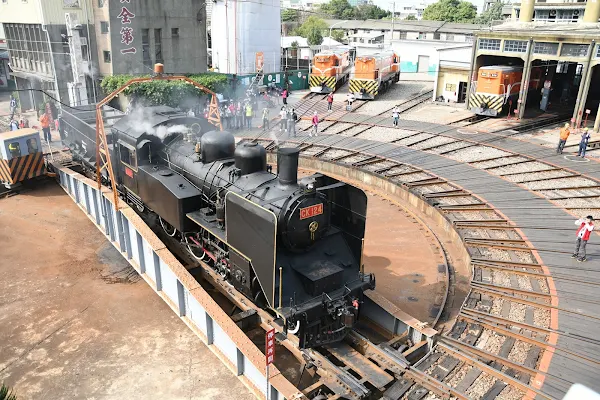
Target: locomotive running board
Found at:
146, 253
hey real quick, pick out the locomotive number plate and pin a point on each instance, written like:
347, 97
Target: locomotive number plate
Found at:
311, 211
129, 172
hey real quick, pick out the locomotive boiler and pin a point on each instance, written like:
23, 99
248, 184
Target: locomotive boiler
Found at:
294, 247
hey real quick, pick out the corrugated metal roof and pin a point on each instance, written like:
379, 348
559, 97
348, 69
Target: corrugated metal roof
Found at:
413, 26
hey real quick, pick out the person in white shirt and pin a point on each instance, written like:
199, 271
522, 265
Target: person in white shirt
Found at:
586, 226
283, 121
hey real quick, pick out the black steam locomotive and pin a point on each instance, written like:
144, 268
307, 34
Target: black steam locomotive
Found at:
292, 246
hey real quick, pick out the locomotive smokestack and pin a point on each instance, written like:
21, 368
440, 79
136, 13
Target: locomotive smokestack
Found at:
287, 165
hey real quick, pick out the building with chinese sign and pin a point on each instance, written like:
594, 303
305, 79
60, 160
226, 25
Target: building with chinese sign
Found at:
50, 49
133, 35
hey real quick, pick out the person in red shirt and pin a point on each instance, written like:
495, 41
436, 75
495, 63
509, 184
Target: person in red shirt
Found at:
329, 101
315, 124
284, 96
586, 226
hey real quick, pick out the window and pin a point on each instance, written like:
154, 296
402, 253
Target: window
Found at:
175, 32
146, 47
574, 50
106, 54
127, 155
469, 38
32, 146
436, 36
489, 44
100, 3
158, 45
598, 52
402, 35
422, 35
515, 46
14, 149
545, 48
449, 37
103, 27
4, 1
450, 87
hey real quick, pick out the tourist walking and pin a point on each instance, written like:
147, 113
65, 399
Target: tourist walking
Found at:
395, 116
283, 119
13, 106
265, 119
239, 114
315, 125
329, 101
291, 124
349, 100
564, 135
585, 138
284, 96
586, 226
45, 121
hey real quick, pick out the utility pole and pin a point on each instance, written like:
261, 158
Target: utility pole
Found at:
393, 20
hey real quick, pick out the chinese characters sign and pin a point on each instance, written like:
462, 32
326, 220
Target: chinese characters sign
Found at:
127, 34
270, 347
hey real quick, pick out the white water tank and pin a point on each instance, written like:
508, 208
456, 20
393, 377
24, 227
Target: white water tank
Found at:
242, 28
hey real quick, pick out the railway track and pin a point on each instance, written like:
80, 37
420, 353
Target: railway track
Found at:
504, 330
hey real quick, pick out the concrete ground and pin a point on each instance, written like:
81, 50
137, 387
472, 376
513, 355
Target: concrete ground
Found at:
76, 322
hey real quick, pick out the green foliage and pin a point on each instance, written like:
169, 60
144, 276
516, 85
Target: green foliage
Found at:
162, 92
337, 35
314, 38
295, 44
410, 18
370, 11
6, 393
312, 29
336, 8
450, 11
493, 13
290, 15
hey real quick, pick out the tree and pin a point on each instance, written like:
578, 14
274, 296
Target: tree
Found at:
309, 28
450, 11
336, 8
314, 38
369, 11
493, 13
410, 17
338, 35
289, 15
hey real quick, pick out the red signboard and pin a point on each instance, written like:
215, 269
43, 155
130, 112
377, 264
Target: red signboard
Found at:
311, 211
129, 172
270, 347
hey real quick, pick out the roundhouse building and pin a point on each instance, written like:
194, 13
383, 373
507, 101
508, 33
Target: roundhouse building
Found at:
567, 54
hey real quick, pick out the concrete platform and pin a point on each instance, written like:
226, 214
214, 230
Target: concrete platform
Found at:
76, 322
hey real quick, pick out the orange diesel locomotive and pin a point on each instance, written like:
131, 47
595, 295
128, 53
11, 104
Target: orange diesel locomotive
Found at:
497, 85
330, 69
373, 74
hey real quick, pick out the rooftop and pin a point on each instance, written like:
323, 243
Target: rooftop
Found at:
415, 26
18, 133
542, 29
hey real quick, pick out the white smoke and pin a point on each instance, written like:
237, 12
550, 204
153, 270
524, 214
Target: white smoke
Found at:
139, 122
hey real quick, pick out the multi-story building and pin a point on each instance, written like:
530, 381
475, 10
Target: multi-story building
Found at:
558, 11
50, 49
5, 80
133, 35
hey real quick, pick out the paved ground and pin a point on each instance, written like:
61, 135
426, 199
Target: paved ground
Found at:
77, 323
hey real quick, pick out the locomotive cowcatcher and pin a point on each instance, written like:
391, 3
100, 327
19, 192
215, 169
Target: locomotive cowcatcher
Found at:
294, 247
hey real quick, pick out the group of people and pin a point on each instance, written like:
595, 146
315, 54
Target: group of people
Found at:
238, 115
287, 120
564, 134
46, 119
